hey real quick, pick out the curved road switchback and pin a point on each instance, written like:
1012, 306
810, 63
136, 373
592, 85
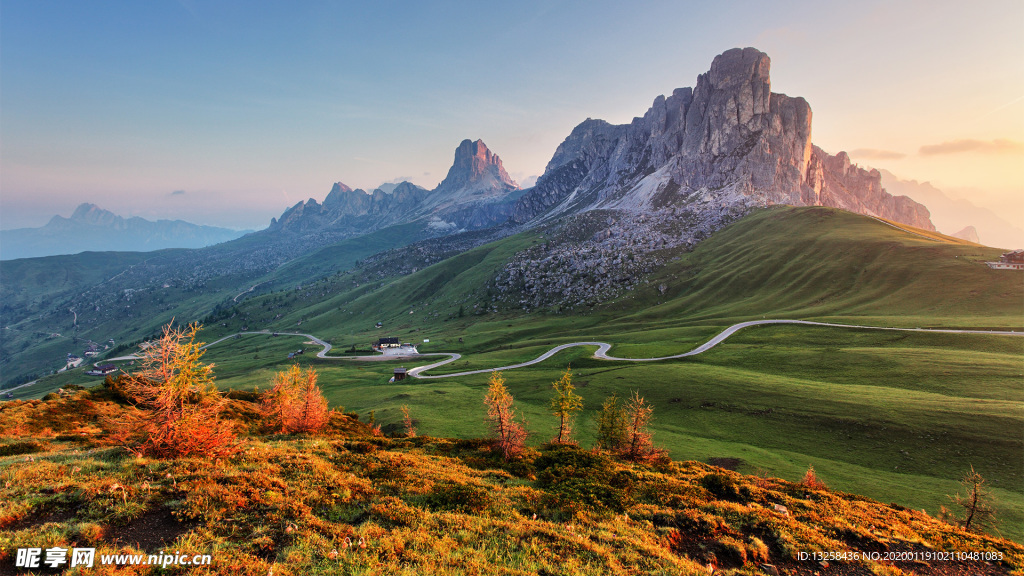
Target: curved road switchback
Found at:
602, 347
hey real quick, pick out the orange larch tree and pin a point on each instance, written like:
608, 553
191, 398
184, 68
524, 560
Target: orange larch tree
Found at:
510, 436
295, 403
176, 406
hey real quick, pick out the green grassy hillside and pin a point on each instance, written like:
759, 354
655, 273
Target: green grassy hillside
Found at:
823, 262
28, 284
38, 295
896, 416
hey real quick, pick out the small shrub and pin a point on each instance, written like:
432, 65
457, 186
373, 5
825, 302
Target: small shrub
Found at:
465, 498
639, 443
246, 395
611, 425
27, 447
730, 551
578, 480
115, 386
978, 513
757, 550
725, 488
811, 480
410, 430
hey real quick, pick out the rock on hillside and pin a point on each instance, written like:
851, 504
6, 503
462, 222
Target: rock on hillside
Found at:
730, 140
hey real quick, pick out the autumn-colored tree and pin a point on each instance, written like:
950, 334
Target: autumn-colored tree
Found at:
564, 405
176, 406
811, 480
295, 403
611, 425
639, 443
410, 430
979, 514
510, 436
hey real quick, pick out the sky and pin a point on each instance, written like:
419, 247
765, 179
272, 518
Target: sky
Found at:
226, 113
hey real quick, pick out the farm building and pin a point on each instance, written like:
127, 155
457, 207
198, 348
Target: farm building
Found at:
102, 370
387, 343
1009, 261
400, 374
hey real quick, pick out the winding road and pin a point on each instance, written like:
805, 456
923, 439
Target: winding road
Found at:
602, 347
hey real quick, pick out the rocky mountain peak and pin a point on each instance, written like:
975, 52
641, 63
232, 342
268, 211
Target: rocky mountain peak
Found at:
476, 167
969, 233
734, 68
87, 213
340, 187
477, 193
727, 142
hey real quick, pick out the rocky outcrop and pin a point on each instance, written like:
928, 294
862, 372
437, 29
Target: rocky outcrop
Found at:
834, 181
729, 139
346, 211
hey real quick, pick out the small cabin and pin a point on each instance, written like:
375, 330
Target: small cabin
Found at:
400, 374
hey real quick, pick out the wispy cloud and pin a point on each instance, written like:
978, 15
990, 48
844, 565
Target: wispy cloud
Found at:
998, 108
997, 146
876, 154
177, 193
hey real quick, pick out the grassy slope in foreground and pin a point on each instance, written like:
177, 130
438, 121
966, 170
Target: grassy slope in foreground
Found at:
288, 505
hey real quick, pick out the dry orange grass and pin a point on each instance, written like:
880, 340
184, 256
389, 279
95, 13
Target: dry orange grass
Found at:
353, 503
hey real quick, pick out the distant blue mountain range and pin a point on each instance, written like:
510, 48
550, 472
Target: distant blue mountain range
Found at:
91, 228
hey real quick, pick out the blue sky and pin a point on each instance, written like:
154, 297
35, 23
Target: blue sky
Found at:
245, 108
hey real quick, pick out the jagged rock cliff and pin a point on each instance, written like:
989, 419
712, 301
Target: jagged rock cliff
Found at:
728, 140
477, 193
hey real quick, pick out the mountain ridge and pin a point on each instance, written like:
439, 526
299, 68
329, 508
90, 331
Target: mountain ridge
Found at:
91, 228
474, 194
954, 214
